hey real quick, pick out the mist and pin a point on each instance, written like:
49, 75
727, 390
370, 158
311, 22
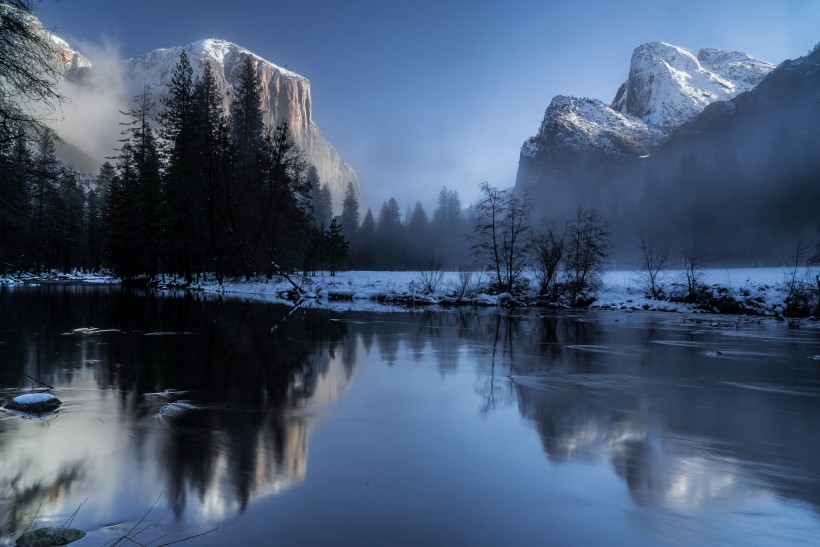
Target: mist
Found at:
91, 116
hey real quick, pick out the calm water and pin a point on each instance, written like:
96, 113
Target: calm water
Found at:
444, 428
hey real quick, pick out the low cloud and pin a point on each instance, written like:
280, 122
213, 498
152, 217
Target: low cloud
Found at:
91, 117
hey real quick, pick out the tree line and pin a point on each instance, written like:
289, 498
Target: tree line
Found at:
201, 192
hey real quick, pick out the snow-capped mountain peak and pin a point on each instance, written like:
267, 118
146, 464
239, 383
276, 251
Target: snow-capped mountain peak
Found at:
591, 125
668, 85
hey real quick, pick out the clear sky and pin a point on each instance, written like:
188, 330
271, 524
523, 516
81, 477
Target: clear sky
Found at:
420, 94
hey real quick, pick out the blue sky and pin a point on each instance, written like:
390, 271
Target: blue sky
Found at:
417, 95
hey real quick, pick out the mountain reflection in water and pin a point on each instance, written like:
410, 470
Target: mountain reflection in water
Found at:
200, 400
234, 426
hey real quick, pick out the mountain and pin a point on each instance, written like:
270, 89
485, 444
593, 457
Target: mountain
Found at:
667, 85
719, 147
285, 99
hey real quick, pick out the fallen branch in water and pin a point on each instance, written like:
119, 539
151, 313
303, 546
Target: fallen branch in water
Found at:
284, 274
39, 382
130, 535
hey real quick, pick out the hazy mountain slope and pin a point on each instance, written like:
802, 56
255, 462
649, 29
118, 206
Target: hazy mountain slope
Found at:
740, 174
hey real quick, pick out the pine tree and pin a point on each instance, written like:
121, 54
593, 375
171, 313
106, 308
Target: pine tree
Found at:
337, 247
213, 168
282, 234
350, 213
182, 193
134, 210
245, 195
247, 127
320, 198
390, 236
366, 243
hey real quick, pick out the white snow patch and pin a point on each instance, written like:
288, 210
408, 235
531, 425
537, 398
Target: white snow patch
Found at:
34, 399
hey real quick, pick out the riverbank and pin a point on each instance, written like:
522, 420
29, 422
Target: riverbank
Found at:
762, 292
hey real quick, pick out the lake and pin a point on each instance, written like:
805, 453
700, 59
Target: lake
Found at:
184, 413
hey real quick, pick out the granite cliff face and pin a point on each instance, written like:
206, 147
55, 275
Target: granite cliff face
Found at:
720, 148
667, 85
581, 140
285, 99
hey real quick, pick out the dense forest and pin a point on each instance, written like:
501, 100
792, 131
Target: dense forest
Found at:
189, 190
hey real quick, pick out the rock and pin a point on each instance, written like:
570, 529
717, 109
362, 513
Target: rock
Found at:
49, 537
34, 403
285, 99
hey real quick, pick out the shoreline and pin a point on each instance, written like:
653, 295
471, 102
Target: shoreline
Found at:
759, 292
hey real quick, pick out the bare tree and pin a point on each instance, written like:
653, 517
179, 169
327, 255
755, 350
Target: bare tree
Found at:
547, 252
798, 288
587, 249
502, 224
28, 69
693, 263
653, 261
463, 283
430, 275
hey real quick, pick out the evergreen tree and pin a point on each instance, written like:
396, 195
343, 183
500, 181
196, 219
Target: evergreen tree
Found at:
246, 197
45, 181
134, 212
213, 169
283, 210
389, 236
95, 216
182, 193
350, 213
365, 248
448, 228
337, 247
419, 243
320, 198
247, 127
16, 239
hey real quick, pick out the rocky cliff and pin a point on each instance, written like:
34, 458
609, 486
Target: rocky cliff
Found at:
720, 148
582, 141
285, 99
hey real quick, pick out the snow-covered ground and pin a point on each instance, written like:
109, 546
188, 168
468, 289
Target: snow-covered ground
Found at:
622, 289
762, 288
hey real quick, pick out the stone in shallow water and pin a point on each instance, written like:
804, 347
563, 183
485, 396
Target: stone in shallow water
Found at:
34, 402
49, 537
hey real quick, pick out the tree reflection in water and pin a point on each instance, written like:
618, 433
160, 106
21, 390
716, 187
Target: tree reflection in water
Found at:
242, 431
687, 416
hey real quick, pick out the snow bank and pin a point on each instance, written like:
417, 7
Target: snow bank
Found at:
758, 291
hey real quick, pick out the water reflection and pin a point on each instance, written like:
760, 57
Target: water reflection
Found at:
646, 393
689, 418
237, 429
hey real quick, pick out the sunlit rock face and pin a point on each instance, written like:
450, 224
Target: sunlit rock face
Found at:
285, 99
668, 85
70, 63
616, 157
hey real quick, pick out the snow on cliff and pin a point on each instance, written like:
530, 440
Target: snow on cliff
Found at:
667, 86
285, 98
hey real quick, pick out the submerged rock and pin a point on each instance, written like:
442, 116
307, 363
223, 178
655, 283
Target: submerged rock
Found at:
49, 537
36, 403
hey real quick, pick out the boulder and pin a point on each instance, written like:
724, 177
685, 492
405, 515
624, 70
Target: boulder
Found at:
35, 403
